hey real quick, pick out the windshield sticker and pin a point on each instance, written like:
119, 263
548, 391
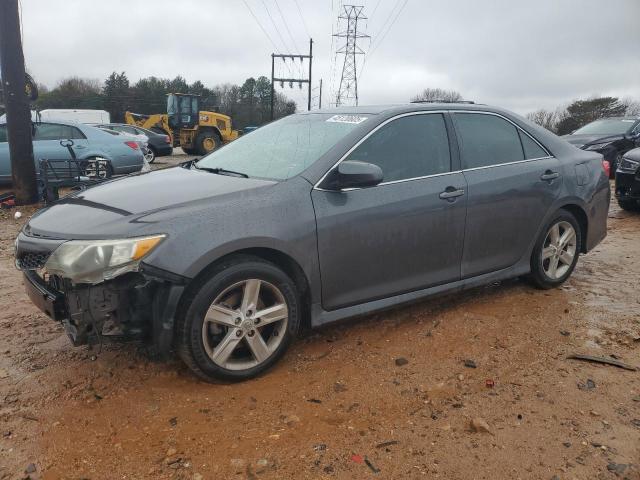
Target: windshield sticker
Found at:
628, 121
347, 119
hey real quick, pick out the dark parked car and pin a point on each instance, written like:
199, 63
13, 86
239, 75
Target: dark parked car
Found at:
159, 143
311, 219
628, 181
612, 137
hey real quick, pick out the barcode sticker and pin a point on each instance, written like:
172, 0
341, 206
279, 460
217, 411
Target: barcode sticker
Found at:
347, 119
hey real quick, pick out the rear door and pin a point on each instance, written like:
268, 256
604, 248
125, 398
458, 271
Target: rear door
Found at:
512, 182
402, 235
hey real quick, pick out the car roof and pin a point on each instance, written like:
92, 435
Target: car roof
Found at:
623, 117
404, 108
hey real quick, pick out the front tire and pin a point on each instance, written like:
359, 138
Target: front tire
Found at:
629, 205
556, 252
239, 321
207, 141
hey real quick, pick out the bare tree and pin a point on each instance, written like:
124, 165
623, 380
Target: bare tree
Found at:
545, 118
632, 107
437, 95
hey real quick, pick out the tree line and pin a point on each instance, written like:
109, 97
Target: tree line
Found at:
247, 104
566, 119
562, 120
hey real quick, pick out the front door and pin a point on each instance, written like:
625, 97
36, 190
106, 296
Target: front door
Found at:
402, 235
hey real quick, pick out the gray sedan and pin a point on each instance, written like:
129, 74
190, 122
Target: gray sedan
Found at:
314, 218
88, 143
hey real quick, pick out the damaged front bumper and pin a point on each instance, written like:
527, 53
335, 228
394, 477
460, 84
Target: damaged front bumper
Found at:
134, 306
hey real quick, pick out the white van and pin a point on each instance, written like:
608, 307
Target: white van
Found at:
75, 115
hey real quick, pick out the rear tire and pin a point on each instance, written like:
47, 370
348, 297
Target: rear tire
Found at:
239, 321
150, 155
629, 205
207, 141
556, 252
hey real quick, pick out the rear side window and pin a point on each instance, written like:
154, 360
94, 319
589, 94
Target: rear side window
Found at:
409, 147
487, 140
3, 133
55, 131
531, 148
48, 131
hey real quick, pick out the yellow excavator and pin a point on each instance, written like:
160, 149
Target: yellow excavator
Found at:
196, 132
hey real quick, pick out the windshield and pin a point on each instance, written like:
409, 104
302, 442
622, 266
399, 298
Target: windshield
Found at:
284, 148
607, 126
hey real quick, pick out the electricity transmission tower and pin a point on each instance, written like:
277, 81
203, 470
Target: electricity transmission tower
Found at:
348, 91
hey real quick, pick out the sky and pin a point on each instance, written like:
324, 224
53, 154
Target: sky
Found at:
518, 54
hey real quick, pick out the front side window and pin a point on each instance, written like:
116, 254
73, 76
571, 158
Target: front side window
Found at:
408, 147
3, 134
487, 140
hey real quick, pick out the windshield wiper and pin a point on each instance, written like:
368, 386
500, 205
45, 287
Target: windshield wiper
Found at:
221, 171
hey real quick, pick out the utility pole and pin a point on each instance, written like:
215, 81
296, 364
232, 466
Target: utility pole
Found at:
23, 169
320, 96
290, 81
348, 91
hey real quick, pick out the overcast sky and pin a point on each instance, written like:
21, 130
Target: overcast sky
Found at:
517, 54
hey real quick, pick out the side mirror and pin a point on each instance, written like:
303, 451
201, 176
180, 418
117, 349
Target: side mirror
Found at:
353, 174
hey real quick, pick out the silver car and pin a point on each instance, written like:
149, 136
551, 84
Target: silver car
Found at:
89, 142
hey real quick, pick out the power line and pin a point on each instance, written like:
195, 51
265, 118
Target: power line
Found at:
379, 35
261, 27
375, 9
286, 25
304, 24
375, 47
295, 44
286, 47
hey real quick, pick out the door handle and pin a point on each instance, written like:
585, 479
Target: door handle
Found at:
451, 192
549, 175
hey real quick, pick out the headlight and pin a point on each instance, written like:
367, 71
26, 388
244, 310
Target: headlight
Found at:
627, 165
597, 146
94, 261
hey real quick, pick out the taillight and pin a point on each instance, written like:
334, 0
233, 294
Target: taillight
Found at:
133, 145
606, 166
167, 139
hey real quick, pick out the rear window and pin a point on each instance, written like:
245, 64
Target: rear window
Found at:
487, 140
531, 148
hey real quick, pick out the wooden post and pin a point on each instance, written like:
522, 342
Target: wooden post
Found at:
23, 170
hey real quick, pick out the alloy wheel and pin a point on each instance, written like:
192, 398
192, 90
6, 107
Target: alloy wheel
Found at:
559, 250
245, 324
149, 155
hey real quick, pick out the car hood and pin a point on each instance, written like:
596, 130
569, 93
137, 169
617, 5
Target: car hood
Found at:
582, 140
118, 208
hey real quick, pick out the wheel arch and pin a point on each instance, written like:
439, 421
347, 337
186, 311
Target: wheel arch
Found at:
209, 128
583, 221
277, 257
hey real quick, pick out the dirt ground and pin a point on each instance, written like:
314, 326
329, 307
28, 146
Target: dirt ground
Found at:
343, 403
